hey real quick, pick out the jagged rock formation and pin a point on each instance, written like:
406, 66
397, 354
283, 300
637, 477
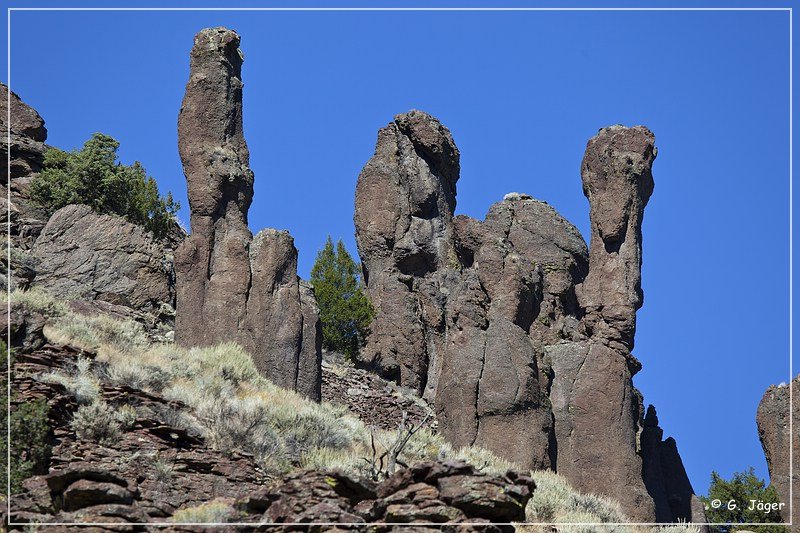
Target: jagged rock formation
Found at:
82, 254
405, 198
773, 429
520, 335
232, 286
27, 148
28, 135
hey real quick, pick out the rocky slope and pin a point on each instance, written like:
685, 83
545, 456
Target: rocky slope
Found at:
519, 334
231, 285
158, 468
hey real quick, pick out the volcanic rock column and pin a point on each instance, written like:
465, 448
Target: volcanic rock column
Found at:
405, 198
597, 410
773, 429
231, 287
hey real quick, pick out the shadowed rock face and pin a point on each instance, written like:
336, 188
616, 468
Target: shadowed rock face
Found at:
773, 430
232, 286
520, 335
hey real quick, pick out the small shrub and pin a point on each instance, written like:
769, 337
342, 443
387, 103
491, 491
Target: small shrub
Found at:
92, 176
30, 442
37, 301
214, 512
136, 375
96, 422
79, 382
163, 469
126, 416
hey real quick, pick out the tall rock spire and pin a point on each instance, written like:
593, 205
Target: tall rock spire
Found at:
230, 285
618, 181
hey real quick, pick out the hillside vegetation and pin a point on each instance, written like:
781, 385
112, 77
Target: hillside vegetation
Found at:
232, 406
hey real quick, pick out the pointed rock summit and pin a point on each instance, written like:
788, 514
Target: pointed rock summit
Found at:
232, 286
519, 333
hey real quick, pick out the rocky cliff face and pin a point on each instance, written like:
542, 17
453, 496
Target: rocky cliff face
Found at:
773, 419
232, 286
27, 148
532, 330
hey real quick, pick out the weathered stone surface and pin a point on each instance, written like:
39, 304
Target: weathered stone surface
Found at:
375, 401
28, 135
617, 180
602, 419
773, 419
405, 198
81, 253
519, 334
232, 286
27, 155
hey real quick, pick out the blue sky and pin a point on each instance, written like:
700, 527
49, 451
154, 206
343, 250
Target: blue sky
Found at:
521, 92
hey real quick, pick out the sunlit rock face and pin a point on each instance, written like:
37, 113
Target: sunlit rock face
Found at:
519, 333
232, 286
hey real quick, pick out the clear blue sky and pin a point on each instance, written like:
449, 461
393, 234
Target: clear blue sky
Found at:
522, 93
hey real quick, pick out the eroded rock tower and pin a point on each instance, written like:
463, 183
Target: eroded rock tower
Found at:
232, 286
519, 333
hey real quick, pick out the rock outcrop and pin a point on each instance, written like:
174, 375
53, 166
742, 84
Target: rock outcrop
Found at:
28, 135
83, 254
405, 198
773, 420
452, 493
519, 334
232, 286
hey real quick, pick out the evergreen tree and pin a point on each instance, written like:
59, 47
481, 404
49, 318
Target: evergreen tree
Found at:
92, 176
345, 309
731, 501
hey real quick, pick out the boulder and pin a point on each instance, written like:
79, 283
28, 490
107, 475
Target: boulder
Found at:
83, 254
232, 286
430, 492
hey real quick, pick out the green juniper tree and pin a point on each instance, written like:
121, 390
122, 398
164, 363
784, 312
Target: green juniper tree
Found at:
92, 176
736, 501
345, 310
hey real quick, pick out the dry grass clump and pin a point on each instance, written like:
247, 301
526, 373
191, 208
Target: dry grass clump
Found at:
213, 512
79, 381
35, 301
555, 502
100, 334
